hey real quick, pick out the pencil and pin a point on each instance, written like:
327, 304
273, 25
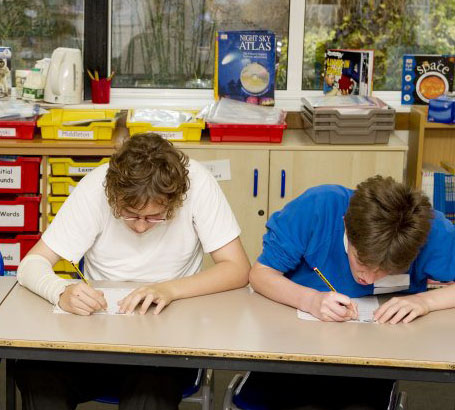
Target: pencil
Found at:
90, 74
325, 280
79, 273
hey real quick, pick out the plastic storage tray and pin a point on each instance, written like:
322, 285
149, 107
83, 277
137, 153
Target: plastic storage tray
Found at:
14, 248
19, 214
19, 129
61, 185
188, 131
55, 203
246, 132
52, 124
19, 175
73, 167
329, 125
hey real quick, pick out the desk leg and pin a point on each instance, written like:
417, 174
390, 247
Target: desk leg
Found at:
10, 385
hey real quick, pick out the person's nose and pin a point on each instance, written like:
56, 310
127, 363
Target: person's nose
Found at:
140, 225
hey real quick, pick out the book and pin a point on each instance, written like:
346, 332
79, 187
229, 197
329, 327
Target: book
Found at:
5, 71
425, 77
436, 184
245, 66
348, 71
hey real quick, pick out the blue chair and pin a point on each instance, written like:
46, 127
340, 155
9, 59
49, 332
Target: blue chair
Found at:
200, 391
234, 401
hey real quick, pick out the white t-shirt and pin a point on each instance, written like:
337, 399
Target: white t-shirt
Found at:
85, 227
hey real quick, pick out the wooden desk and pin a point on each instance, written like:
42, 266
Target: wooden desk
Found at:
230, 330
6, 284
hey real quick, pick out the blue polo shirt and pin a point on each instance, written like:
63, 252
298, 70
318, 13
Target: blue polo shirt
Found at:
309, 232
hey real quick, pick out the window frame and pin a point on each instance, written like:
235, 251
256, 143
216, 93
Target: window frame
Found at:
97, 25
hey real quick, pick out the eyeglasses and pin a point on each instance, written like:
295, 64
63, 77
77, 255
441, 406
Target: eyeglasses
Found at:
148, 219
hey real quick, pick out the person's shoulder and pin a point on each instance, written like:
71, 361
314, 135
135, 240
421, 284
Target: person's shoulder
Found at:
94, 180
326, 194
197, 173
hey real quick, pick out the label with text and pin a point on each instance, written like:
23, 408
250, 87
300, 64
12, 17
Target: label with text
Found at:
11, 253
220, 169
12, 215
10, 177
80, 170
80, 135
170, 135
7, 132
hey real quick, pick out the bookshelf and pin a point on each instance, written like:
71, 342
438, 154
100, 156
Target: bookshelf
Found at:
428, 142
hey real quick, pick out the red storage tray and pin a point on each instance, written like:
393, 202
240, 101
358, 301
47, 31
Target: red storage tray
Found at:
20, 175
246, 132
23, 130
14, 248
19, 214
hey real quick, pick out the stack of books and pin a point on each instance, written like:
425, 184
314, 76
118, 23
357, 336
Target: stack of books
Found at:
438, 183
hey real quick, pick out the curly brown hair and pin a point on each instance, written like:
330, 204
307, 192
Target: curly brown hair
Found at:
387, 223
147, 168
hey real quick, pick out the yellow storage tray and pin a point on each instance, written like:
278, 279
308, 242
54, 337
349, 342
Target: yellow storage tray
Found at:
71, 167
64, 266
61, 185
55, 203
188, 131
55, 124
50, 218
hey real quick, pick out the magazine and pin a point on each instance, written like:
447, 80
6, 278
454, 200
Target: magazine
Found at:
348, 72
245, 66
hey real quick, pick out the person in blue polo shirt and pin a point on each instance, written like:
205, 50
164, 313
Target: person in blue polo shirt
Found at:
382, 237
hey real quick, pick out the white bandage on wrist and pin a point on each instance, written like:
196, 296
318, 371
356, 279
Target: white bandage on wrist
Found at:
35, 273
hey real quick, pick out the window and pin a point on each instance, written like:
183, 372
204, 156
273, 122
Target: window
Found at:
33, 29
391, 27
170, 44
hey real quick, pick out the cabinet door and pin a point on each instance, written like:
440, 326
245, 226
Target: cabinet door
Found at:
292, 172
249, 208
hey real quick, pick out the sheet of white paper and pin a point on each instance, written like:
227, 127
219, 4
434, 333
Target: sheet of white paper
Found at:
366, 306
112, 296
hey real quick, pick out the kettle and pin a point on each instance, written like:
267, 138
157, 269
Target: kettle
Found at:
64, 78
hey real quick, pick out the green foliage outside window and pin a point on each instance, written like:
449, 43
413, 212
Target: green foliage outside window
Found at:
391, 27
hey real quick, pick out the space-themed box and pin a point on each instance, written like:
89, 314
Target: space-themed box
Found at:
425, 77
245, 66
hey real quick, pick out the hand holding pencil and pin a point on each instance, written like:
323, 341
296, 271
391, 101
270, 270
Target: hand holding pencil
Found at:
332, 306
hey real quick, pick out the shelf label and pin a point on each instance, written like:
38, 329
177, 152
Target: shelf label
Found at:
12, 215
220, 169
80, 135
80, 170
10, 177
11, 253
170, 135
7, 132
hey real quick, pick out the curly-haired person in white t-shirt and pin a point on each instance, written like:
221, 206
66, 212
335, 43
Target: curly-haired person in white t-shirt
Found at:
147, 216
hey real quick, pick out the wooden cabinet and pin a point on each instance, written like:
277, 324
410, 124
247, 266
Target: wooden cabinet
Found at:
250, 205
292, 172
429, 142
283, 171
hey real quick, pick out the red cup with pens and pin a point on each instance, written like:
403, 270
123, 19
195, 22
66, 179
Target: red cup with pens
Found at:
101, 87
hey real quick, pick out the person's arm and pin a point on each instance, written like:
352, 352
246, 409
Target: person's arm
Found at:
35, 273
407, 308
229, 272
327, 306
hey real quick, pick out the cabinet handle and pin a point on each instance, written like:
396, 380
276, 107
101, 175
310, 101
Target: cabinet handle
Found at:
255, 184
283, 183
